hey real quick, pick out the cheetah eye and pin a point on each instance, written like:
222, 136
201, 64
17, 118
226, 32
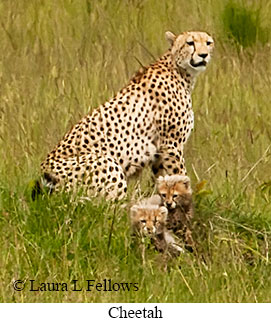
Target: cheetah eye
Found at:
143, 221
190, 43
175, 196
163, 195
208, 43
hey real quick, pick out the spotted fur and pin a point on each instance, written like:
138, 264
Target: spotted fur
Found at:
176, 194
148, 122
149, 220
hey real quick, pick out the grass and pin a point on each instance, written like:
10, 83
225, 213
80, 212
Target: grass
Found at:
243, 25
61, 59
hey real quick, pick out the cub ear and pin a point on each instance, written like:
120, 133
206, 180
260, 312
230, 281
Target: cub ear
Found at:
187, 183
170, 37
134, 209
159, 180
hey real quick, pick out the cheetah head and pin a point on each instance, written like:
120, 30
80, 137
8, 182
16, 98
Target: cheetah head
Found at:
191, 51
150, 219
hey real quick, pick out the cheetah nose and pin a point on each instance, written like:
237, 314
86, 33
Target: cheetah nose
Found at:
168, 205
203, 55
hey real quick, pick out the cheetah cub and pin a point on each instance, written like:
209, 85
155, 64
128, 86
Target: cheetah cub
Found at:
176, 195
150, 221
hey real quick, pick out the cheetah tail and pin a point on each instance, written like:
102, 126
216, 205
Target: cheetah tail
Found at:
36, 189
43, 185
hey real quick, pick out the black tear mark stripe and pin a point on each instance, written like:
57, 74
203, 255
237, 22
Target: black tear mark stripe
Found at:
194, 45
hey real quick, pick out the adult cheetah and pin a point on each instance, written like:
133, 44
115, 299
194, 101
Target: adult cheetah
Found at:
147, 122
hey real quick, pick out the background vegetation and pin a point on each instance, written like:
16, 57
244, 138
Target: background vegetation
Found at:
59, 60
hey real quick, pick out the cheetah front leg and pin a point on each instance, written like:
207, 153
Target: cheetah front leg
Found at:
168, 161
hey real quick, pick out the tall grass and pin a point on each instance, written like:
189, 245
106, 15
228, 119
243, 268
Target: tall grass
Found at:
244, 24
59, 60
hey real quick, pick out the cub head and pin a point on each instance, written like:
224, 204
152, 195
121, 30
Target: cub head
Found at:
148, 219
191, 51
174, 190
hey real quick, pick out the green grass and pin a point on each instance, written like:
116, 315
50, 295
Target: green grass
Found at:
243, 25
59, 60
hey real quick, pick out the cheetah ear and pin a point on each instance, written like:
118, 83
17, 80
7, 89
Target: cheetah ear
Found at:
159, 180
187, 183
170, 37
134, 210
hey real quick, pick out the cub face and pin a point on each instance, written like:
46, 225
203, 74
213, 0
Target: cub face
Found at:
191, 51
174, 190
148, 219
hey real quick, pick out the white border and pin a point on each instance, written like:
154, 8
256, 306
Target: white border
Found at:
98, 312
